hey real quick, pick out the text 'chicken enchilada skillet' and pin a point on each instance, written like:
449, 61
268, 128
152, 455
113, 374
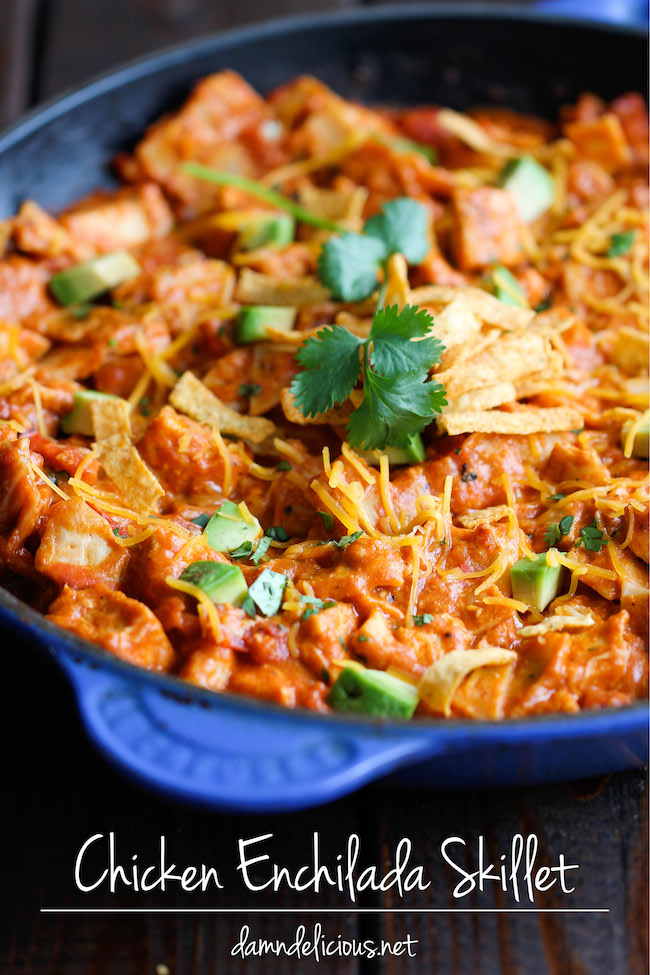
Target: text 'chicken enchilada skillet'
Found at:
431, 526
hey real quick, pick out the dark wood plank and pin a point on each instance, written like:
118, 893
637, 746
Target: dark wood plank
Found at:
86, 38
17, 42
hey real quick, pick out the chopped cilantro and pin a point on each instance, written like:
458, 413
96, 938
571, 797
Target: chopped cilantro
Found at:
556, 497
261, 549
362, 638
422, 619
249, 607
467, 476
554, 532
325, 675
242, 551
620, 244
80, 312
267, 591
277, 533
288, 509
328, 520
346, 540
112, 342
543, 306
201, 520
399, 399
144, 405
592, 537
457, 451
284, 465
249, 389
315, 605
578, 431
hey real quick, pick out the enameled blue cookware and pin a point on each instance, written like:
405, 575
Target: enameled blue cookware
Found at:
230, 752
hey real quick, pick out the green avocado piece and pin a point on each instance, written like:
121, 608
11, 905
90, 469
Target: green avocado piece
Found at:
413, 454
80, 419
267, 591
358, 690
86, 281
228, 528
530, 184
252, 321
640, 442
276, 228
222, 582
504, 286
535, 582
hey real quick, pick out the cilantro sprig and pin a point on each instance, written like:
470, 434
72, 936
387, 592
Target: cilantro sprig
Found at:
554, 532
592, 538
620, 244
398, 397
350, 264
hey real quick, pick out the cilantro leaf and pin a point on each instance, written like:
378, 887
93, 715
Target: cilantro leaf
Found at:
315, 605
620, 244
556, 497
346, 540
423, 619
393, 409
277, 533
349, 265
242, 551
201, 520
402, 228
565, 524
249, 607
551, 535
394, 346
267, 591
260, 550
284, 465
333, 366
592, 538
328, 520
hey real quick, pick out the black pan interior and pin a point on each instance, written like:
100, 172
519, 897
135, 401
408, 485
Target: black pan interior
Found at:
460, 57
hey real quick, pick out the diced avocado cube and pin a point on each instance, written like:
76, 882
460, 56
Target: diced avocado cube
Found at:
504, 286
276, 228
86, 281
80, 419
530, 184
222, 582
413, 454
535, 582
252, 322
358, 690
229, 528
640, 442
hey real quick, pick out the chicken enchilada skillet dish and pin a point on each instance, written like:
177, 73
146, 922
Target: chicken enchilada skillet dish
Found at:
342, 408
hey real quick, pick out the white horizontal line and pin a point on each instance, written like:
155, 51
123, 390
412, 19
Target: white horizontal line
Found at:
324, 910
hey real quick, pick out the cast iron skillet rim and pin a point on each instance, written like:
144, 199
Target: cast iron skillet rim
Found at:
168, 685
166, 57
22, 616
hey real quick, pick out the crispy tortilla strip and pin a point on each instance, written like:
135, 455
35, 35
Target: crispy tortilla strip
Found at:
441, 681
339, 415
110, 416
540, 382
630, 350
455, 324
261, 289
192, 397
487, 516
555, 623
333, 204
467, 129
488, 308
483, 399
512, 356
398, 289
136, 484
529, 420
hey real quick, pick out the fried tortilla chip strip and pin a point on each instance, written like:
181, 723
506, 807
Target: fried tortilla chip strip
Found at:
110, 416
512, 356
339, 415
456, 324
260, 289
344, 205
529, 420
441, 681
488, 308
192, 397
136, 484
554, 623
483, 399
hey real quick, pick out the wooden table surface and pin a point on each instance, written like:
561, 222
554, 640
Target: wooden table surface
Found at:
58, 791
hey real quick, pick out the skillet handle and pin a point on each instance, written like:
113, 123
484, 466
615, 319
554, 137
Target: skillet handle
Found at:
627, 12
229, 755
